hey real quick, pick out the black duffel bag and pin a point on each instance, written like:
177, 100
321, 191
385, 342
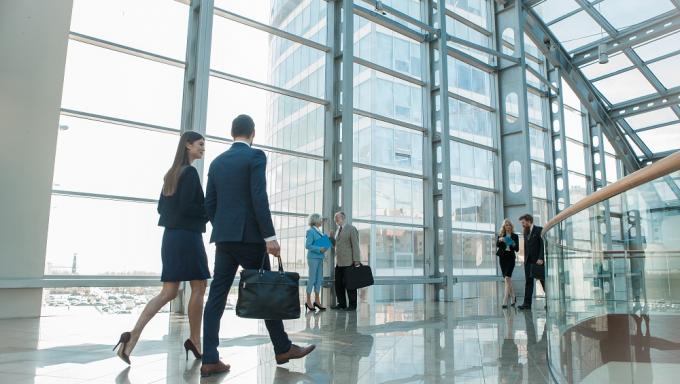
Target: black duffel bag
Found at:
358, 276
268, 295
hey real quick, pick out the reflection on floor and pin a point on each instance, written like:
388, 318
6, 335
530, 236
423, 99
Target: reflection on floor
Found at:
629, 347
470, 341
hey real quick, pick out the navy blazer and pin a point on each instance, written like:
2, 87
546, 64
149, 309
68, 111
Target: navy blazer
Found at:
236, 199
533, 246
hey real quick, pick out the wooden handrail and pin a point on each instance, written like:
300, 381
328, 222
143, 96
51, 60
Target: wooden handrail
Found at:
652, 172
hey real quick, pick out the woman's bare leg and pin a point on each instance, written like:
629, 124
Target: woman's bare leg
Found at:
196, 311
167, 293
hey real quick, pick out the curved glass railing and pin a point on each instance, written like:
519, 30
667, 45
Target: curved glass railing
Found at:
613, 282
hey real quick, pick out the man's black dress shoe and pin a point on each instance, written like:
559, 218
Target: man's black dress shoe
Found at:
523, 307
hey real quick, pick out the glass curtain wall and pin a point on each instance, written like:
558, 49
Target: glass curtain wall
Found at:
118, 130
474, 147
121, 114
539, 125
250, 70
388, 137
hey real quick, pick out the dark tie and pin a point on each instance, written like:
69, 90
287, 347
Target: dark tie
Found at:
339, 231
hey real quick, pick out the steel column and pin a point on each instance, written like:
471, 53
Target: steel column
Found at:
515, 134
195, 97
441, 152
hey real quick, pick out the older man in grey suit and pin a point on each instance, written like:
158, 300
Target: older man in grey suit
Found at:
347, 254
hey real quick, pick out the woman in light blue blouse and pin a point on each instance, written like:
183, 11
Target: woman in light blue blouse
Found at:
315, 255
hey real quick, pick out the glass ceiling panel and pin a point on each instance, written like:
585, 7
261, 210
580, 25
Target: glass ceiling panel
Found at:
617, 62
636, 149
625, 86
666, 71
662, 139
624, 13
656, 48
550, 10
577, 30
665, 115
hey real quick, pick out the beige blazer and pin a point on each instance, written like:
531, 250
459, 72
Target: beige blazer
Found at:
346, 246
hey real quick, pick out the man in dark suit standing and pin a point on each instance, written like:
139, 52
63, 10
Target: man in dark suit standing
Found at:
533, 255
238, 208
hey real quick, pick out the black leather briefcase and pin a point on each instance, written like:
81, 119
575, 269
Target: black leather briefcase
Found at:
358, 276
268, 295
538, 271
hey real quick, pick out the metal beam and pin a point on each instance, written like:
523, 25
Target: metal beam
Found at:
468, 23
388, 23
635, 35
481, 48
660, 155
389, 120
558, 57
471, 60
400, 15
75, 36
388, 71
646, 104
267, 87
269, 29
637, 61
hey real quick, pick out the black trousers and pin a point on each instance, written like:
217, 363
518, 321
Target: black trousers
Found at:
529, 284
340, 289
228, 257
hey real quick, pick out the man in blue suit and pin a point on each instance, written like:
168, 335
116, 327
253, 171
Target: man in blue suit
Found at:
238, 208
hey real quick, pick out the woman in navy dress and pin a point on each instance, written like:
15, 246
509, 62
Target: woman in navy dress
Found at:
506, 246
183, 215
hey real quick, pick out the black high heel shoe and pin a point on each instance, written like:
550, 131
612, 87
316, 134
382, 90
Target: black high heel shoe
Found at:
189, 346
308, 308
514, 302
316, 305
124, 339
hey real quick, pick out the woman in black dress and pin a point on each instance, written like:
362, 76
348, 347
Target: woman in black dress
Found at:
183, 215
506, 246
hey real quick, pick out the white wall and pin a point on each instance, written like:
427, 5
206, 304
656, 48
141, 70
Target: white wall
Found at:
33, 41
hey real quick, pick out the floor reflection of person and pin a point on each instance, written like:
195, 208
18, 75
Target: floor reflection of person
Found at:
352, 347
536, 350
635, 243
618, 342
509, 371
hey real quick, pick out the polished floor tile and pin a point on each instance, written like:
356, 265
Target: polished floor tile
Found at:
468, 341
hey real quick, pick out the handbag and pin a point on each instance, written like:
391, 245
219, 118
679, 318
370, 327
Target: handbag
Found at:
358, 276
268, 295
538, 271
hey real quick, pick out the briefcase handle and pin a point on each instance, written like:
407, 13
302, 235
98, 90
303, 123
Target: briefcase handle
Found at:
266, 255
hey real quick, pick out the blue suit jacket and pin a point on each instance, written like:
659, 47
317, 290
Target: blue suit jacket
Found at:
313, 251
236, 199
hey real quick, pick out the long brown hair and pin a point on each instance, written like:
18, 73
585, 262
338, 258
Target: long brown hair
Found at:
502, 231
181, 161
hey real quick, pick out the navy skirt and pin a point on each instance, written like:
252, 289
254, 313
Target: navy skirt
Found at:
183, 255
